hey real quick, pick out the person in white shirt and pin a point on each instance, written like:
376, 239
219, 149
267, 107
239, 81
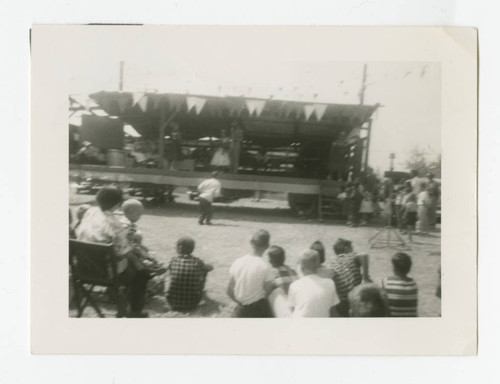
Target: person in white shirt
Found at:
423, 203
312, 296
208, 190
251, 280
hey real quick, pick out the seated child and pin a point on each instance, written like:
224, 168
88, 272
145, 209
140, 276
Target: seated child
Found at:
311, 295
349, 270
187, 277
140, 258
322, 271
284, 275
401, 290
367, 300
80, 212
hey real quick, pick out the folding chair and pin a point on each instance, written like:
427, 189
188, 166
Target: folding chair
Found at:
94, 265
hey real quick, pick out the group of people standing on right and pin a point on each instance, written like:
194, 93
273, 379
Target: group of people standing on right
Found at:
262, 285
410, 206
415, 205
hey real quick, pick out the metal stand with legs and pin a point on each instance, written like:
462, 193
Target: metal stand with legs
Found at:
388, 237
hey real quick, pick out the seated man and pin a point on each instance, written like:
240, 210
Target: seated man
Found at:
367, 300
312, 296
187, 277
101, 225
251, 280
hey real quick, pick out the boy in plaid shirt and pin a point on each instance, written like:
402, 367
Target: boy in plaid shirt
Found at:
187, 277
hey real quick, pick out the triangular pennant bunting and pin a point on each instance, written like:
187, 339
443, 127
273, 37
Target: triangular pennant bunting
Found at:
136, 96
309, 110
256, 106
195, 102
143, 103
320, 110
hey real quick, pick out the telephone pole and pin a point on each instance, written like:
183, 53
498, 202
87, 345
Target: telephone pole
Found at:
120, 84
363, 86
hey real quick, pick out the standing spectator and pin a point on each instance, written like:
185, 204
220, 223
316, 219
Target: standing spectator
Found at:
415, 182
209, 190
101, 225
354, 198
399, 207
187, 277
349, 270
312, 296
410, 211
401, 290
367, 207
434, 193
251, 280
367, 300
423, 202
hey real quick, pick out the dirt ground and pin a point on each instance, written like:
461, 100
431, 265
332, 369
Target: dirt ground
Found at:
228, 239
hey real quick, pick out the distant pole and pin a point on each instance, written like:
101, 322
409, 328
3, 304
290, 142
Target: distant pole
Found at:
363, 86
120, 84
368, 134
392, 156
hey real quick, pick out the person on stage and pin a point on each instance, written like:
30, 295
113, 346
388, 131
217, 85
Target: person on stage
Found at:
209, 190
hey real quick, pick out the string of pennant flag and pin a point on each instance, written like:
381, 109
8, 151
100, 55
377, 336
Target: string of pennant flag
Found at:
196, 103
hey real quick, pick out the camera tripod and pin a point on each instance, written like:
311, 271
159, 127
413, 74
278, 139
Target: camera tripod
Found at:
388, 237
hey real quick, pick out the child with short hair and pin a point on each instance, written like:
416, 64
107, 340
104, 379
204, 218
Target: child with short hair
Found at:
401, 290
312, 295
284, 275
322, 271
141, 257
349, 270
367, 300
188, 275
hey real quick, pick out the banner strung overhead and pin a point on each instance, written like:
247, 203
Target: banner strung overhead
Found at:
309, 110
318, 109
143, 103
255, 106
195, 102
136, 96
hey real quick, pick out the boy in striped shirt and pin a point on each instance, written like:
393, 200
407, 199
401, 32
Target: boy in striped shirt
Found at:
401, 290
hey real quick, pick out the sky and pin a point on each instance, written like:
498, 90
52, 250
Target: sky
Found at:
409, 92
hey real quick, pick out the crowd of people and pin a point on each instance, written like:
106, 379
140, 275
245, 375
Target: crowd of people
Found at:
260, 283
410, 205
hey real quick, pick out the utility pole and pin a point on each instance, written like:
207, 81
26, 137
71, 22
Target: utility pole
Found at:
120, 84
363, 86
392, 156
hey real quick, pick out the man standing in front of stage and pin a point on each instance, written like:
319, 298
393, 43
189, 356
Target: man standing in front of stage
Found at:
209, 190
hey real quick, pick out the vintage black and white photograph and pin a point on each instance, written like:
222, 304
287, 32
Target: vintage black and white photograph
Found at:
227, 182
